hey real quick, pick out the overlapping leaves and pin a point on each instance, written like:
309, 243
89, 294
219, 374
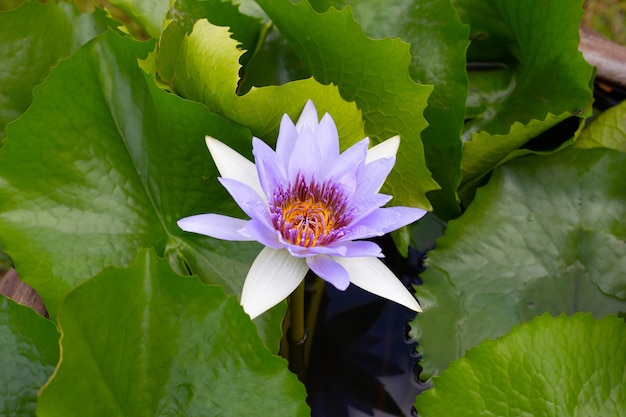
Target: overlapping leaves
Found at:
34, 38
607, 131
545, 234
92, 174
552, 366
104, 162
535, 45
438, 41
28, 354
391, 102
163, 345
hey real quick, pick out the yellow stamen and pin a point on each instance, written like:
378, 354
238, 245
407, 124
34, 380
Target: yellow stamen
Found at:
309, 220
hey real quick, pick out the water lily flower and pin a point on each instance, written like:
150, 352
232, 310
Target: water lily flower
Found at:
310, 206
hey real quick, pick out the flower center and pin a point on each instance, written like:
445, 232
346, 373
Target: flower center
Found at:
309, 214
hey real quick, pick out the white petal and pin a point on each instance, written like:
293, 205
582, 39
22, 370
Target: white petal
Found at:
386, 149
373, 276
273, 276
232, 165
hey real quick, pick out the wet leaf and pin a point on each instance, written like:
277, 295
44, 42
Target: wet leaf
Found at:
33, 39
545, 234
94, 173
537, 43
29, 352
162, 344
260, 109
552, 366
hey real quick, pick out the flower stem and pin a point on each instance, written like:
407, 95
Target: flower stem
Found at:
297, 333
311, 315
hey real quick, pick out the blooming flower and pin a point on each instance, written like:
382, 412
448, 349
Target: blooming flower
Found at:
310, 205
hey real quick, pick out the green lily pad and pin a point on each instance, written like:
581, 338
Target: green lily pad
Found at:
552, 367
29, 352
162, 344
103, 164
530, 242
34, 38
536, 44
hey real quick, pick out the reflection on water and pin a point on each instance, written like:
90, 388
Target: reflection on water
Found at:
363, 363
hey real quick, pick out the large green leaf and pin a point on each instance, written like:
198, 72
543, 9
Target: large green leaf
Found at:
162, 344
210, 50
183, 16
489, 151
103, 164
34, 38
552, 367
29, 351
545, 234
200, 56
374, 74
438, 43
549, 79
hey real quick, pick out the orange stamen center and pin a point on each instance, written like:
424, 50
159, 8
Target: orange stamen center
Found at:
309, 214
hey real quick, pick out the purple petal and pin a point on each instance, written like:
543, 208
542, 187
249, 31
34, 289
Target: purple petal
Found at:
244, 196
328, 138
274, 275
270, 170
302, 252
287, 135
345, 170
308, 118
330, 271
372, 176
372, 225
384, 220
259, 231
359, 248
406, 215
373, 276
215, 225
305, 157
364, 206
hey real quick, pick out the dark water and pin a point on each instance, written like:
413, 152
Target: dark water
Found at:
363, 363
